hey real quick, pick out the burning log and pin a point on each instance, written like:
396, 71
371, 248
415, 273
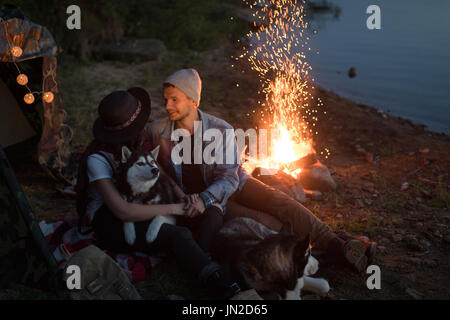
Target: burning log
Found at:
304, 162
314, 176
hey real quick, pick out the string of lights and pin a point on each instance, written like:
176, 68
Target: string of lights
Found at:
22, 79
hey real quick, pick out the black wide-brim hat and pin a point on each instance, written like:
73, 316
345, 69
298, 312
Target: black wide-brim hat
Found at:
122, 116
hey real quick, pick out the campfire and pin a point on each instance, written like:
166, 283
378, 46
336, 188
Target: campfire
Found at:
277, 52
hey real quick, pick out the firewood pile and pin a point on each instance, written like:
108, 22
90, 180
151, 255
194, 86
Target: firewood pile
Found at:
313, 179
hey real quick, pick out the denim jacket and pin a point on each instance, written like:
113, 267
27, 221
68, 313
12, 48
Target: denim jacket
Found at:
222, 180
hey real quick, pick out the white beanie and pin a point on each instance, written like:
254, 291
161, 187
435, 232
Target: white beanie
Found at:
188, 81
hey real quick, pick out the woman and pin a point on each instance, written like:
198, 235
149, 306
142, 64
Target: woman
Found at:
122, 117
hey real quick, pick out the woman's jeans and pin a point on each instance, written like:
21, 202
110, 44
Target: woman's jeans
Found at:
190, 251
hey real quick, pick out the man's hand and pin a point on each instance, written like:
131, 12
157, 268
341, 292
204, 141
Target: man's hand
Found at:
194, 205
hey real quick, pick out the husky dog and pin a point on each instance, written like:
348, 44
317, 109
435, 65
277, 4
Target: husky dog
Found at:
276, 265
140, 181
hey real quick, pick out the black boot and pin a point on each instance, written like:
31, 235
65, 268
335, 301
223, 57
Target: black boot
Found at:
349, 252
218, 279
222, 285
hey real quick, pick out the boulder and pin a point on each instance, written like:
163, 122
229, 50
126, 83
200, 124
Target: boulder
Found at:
317, 177
130, 49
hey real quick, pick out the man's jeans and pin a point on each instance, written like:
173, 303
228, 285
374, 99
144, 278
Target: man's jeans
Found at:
266, 199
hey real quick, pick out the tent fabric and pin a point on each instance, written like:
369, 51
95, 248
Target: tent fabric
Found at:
24, 254
14, 128
36, 42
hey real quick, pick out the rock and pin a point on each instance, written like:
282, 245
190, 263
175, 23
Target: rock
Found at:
405, 186
430, 263
368, 186
425, 243
410, 237
425, 193
415, 246
313, 194
352, 72
381, 249
413, 243
419, 225
437, 234
416, 295
369, 157
130, 49
368, 202
359, 203
397, 238
382, 113
428, 235
317, 177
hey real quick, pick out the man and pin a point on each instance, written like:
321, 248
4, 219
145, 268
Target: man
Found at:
210, 184
207, 185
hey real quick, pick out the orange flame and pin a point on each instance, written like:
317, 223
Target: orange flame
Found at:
280, 51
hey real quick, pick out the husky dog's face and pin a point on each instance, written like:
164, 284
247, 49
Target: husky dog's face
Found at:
275, 265
141, 169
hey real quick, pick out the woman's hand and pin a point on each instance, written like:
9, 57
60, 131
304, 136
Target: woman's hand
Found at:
128, 211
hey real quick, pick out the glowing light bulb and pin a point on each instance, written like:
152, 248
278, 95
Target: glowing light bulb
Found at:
48, 97
16, 51
22, 79
28, 98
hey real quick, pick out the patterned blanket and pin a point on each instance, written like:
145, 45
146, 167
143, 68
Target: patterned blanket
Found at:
64, 239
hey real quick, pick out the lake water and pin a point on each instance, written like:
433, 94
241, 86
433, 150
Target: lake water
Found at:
404, 68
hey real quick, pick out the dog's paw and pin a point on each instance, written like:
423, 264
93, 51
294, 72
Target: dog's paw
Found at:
152, 231
316, 285
322, 287
130, 233
155, 226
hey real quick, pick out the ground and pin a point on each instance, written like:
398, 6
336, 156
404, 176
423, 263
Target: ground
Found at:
392, 176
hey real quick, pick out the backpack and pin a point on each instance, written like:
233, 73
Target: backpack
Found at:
81, 187
101, 278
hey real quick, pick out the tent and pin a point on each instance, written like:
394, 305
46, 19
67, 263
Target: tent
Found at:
25, 257
42, 119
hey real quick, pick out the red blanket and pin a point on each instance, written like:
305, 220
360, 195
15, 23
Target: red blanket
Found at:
64, 239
